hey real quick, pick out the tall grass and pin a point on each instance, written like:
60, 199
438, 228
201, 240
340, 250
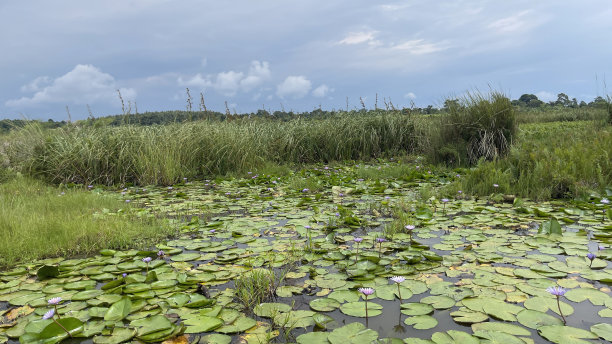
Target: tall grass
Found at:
549, 160
476, 126
166, 154
38, 221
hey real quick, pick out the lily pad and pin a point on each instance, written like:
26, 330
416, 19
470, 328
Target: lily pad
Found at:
566, 334
421, 322
353, 333
358, 309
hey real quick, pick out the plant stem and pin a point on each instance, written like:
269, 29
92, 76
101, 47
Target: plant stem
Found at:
63, 328
399, 293
366, 304
560, 312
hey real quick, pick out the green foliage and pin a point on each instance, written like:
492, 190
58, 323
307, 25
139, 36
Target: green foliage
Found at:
552, 160
39, 221
255, 287
476, 127
166, 154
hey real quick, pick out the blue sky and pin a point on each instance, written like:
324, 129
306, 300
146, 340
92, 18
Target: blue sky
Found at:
295, 55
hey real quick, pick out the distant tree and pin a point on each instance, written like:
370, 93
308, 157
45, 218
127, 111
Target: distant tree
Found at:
563, 100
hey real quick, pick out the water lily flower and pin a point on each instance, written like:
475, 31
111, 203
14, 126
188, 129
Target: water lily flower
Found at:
49, 314
366, 292
305, 190
600, 247
495, 185
558, 292
604, 201
410, 228
124, 274
380, 241
358, 241
146, 260
398, 280
307, 227
459, 192
54, 301
161, 253
591, 257
212, 231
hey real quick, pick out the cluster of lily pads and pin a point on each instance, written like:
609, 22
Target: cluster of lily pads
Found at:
460, 270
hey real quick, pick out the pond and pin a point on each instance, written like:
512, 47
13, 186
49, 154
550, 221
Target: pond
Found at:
277, 259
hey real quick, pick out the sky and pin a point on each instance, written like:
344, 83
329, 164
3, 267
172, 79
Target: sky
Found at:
293, 55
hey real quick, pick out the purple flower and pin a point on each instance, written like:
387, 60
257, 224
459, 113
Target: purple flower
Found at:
600, 247
358, 240
557, 291
169, 188
54, 301
307, 227
161, 253
495, 185
127, 201
459, 192
380, 240
444, 200
591, 256
49, 314
90, 186
146, 260
337, 214
397, 279
604, 201
211, 231
366, 291
124, 275
409, 227
305, 190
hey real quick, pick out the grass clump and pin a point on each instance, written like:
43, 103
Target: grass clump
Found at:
549, 160
164, 155
476, 127
255, 287
39, 221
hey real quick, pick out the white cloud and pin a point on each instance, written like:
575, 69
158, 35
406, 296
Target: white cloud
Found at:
546, 96
419, 47
514, 23
85, 84
410, 95
197, 80
359, 37
258, 73
36, 84
231, 82
294, 86
321, 91
228, 83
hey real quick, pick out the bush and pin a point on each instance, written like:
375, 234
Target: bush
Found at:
476, 127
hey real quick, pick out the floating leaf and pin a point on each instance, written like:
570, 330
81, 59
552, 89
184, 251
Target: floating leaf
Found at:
269, 310
353, 333
565, 334
603, 331
119, 310
357, 309
421, 322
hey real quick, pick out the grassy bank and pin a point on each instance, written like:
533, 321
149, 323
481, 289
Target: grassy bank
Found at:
549, 160
166, 154
38, 221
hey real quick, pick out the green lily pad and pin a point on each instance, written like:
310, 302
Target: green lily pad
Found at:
603, 331
494, 307
357, 309
566, 334
216, 338
119, 310
241, 324
439, 302
421, 322
353, 333
324, 304
454, 337
294, 319
597, 297
119, 335
543, 304
269, 310
313, 338
416, 308
467, 316
201, 324
501, 327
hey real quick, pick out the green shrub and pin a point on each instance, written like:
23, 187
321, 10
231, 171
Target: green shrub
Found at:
166, 154
476, 127
551, 160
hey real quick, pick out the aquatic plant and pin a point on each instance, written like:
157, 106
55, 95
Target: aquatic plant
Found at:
398, 280
366, 292
558, 292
